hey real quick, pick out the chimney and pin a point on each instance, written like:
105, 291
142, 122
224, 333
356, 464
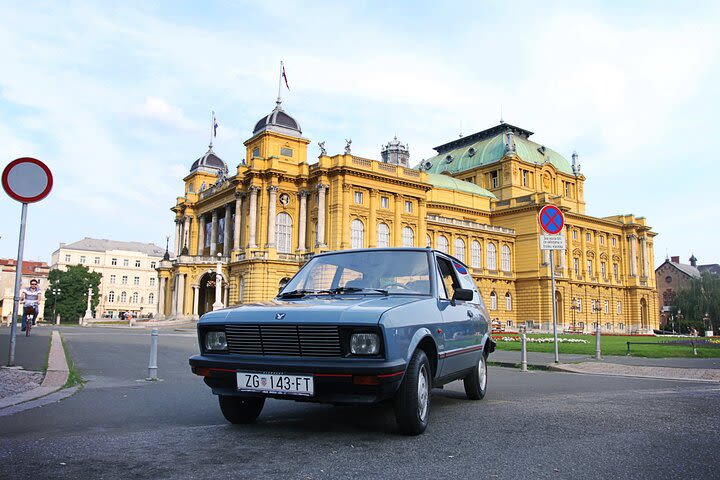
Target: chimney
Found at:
675, 259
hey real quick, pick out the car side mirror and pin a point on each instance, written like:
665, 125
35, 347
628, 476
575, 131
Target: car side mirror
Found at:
464, 294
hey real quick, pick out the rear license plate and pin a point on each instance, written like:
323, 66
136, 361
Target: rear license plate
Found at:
275, 383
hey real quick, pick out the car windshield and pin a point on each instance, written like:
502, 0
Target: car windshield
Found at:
382, 272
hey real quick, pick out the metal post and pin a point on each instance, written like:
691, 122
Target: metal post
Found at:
523, 350
694, 348
554, 307
598, 355
152, 366
18, 279
57, 319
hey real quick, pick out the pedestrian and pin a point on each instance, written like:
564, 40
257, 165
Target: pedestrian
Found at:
31, 298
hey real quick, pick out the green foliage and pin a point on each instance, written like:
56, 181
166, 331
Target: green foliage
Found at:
71, 303
700, 298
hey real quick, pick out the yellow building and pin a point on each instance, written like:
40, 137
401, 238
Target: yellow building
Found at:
477, 199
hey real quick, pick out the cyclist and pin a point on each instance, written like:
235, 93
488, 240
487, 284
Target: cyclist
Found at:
31, 297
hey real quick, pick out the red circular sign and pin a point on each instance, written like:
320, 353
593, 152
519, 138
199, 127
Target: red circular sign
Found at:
27, 180
552, 219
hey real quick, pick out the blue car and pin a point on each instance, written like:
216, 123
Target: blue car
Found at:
352, 327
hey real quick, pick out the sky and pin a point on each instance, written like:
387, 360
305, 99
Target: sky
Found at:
116, 98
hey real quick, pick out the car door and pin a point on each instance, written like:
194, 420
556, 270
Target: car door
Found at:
460, 319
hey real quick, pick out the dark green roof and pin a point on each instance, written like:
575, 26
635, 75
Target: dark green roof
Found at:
449, 183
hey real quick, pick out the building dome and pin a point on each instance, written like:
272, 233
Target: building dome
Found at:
210, 163
278, 121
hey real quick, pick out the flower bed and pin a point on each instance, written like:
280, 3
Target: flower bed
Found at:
543, 340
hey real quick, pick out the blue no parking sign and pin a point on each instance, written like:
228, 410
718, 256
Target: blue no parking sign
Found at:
552, 219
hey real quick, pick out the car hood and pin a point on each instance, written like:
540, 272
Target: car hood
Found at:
340, 309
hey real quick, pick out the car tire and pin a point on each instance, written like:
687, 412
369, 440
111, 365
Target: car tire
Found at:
238, 410
476, 381
412, 402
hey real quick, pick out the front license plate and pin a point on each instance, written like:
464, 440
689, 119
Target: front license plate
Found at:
275, 383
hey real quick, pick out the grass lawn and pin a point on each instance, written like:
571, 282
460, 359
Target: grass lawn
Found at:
615, 345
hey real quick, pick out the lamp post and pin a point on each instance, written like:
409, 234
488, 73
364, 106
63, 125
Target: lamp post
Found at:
596, 308
218, 284
88, 312
573, 307
56, 293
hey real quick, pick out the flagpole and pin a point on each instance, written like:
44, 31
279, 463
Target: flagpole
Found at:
279, 100
212, 127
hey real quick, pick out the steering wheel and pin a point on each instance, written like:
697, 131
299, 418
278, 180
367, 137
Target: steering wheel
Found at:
398, 285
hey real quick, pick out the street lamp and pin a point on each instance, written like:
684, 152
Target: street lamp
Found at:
574, 308
56, 294
596, 308
218, 284
88, 312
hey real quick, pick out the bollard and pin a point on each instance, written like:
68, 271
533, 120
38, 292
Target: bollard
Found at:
598, 355
152, 366
57, 319
694, 348
523, 350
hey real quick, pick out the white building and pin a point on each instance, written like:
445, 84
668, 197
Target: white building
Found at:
129, 279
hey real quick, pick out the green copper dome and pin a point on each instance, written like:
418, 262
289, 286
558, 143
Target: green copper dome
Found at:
449, 183
489, 146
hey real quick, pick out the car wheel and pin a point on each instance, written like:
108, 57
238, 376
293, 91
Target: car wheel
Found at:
476, 381
412, 402
240, 409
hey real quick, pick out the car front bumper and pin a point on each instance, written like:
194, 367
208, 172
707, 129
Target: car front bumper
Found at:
337, 381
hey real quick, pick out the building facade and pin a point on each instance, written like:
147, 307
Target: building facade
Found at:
477, 199
129, 276
672, 276
30, 271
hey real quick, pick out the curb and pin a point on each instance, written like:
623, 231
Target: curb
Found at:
661, 373
55, 376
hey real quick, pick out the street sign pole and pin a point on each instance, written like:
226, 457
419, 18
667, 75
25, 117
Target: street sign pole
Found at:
554, 307
16, 294
552, 222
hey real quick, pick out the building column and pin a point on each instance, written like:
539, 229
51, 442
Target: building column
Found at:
302, 232
201, 235
180, 296
238, 216
252, 233
644, 252
186, 237
372, 220
173, 298
178, 234
345, 235
422, 225
272, 209
320, 241
226, 230
161, 298
196, 300
397, 227
633, 255
214, 233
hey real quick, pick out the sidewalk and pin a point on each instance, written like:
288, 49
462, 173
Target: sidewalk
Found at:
29, 378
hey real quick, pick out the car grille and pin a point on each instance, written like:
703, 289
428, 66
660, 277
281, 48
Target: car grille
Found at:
284, 340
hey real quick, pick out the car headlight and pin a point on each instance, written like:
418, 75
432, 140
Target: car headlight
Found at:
364, 344
215, 341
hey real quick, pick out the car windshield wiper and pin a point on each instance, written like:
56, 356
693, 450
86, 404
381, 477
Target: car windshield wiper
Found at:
297, 293
356, 290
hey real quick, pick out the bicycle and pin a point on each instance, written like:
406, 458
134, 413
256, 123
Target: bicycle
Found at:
30, 315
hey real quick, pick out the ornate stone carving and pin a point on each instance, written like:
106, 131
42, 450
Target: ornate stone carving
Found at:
348, 141
323, 152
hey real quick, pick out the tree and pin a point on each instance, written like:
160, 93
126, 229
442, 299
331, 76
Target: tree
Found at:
701, 298
73, 285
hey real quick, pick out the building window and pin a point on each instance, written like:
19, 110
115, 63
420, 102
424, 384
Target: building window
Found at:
136, 281
256, 152
82, 258
508, 301
383, 235
67, 258
491, 256
152, 281
615, 270
619, 308
494, 181
579, 305
123, 297
567, 189
408, 237
575, 234
606, 306
442, 244
408, 206
602, 239
113, 278
384, 202
493, 301
603, 270
621, 326
111, 296
428, 241
113, 261
97, 260
153, 265
357, 234
358, 197
525, 178
590, 268
287, 152
576, 266
151, 298
134, 298
588, 237
460, 249
137, 263
475, 255
126, 262
593, 307
124, 279
505, 258
283, 233
613, 241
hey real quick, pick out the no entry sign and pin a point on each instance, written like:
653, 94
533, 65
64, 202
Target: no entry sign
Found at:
27, 180
552, 219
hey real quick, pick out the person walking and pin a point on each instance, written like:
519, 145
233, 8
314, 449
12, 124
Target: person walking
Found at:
31, 297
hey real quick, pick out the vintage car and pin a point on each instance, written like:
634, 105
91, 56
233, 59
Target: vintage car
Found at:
352, 327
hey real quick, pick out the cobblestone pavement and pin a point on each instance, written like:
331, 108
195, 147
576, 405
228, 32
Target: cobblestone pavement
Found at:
671, 373
17, 380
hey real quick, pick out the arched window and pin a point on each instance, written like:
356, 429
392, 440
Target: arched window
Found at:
357, 234
460, 249
493, 301
491, 256
123, 297
151, 298
135, 297
428, 241
283, 233
508, 301
383, 239
408, 237
111, 296
475, 254
505, 258
442, 244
